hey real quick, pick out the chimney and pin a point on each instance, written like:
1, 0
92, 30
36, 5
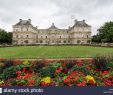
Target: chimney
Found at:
83, 20
29, 20
20, 20
75, 20
37, 27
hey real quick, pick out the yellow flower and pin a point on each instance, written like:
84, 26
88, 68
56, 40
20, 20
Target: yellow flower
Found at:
26, 62
90, 78
47, 80
1, 82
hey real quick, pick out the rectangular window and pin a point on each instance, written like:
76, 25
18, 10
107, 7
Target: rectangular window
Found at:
27, 36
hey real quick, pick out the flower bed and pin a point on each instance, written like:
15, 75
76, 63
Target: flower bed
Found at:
79, 72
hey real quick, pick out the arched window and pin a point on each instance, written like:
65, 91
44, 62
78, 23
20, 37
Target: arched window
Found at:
41, 41
26, 41
78, 41
64, 41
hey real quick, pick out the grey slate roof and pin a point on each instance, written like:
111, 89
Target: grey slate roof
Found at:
24, 22
81, 23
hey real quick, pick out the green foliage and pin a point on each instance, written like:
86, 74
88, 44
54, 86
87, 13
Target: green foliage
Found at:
96, 38
70, 64
101, 63
8, 63
55, 64
110, 64
105, 33
37, 80
39, 64
11, 71
5, 37
48, 71
83, 68
104, 62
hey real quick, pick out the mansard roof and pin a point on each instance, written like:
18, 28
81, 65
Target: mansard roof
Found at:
24, 22
81, 23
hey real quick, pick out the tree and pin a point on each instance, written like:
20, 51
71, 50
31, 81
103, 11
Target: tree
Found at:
9, 37
106, 32
96, 38
5, 37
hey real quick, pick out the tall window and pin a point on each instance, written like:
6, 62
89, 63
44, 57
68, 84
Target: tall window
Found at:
16, 36
52, 41
64, 41
21, 36
27, 29
41, 41
27, 36
21, 29
46, 37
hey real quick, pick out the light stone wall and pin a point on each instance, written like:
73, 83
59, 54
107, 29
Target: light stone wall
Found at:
31, 35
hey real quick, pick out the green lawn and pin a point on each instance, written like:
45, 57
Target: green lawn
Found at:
53, 51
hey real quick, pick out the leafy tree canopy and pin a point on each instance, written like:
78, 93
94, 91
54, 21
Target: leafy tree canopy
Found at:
105, 33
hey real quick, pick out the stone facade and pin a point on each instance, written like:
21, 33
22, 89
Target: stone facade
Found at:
25, 33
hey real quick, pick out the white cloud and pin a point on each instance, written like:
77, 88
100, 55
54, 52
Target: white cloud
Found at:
44, 12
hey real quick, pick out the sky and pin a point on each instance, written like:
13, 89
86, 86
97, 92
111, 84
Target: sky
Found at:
61, 12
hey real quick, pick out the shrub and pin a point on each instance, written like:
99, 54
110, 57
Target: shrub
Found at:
110, 65
1, 67
70, 64
5, 64
48, 71
8, 63
10, 72
37, 65
101, 63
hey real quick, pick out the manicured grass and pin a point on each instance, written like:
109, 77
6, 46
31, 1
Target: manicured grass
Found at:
53, 51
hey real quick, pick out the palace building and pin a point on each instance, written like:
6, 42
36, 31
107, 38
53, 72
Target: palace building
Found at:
24, 33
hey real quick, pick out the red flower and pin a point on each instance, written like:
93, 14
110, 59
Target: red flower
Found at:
19, 78
65, 71
91, 82
31, 82
88, 67
18, 72
82, 83
24, 69
26, 76
64, 64
105, 72
58, 70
